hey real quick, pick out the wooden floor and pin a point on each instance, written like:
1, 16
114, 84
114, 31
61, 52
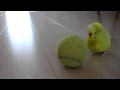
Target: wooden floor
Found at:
28, 43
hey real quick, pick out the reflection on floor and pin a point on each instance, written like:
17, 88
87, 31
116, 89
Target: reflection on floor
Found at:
28, 44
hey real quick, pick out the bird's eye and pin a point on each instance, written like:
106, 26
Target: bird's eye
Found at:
95, 32
90, 34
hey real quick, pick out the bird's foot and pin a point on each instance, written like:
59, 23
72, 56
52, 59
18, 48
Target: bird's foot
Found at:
111, 37
92, 53
104, 53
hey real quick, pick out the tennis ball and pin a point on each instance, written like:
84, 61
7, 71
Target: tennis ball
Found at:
72, 51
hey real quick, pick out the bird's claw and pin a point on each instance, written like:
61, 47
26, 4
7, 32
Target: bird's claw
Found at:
111, 37
92, 53
104, 53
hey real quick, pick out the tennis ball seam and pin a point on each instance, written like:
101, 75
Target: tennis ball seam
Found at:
76, 60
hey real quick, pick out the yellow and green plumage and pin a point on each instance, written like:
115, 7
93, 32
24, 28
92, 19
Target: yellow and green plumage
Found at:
98, 39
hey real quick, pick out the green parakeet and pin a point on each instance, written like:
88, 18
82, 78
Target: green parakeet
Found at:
98, 39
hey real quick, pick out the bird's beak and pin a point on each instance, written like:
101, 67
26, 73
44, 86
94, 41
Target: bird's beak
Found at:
95, 37
90, 34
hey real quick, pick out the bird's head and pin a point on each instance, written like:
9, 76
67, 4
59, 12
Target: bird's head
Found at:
94, 30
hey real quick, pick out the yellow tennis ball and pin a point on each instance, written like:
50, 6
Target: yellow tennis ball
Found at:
72, 51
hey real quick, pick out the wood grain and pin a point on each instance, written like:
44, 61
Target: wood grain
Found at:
35, 57
95, 66
23, 59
